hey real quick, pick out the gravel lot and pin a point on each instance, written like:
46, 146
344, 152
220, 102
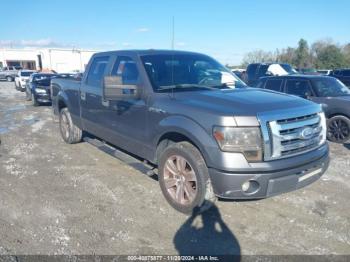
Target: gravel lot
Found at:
74, 199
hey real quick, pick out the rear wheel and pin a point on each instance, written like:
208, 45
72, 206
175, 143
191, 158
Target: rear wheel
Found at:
70, 133
184, 179
338, 129
9, 79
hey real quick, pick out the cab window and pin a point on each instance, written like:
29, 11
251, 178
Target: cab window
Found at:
97, 71
298, 88
274, 84
125, 68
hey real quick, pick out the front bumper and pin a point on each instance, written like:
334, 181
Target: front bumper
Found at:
43, 97
267, 183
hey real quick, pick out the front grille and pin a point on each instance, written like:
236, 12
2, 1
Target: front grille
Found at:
297, 135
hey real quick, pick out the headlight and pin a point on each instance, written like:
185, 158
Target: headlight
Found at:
245, 140
324, 128
40, 90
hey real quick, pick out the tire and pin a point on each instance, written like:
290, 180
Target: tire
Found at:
28, 97
34, 101
338, 129
70, 133
185, 185
9, 79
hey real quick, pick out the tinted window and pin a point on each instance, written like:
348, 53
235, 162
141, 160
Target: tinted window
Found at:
330, 87
97, 70
126, 69
337, 72
261, 83
346, 73
26, 73
298, 87
274, 84
251, 70
263, 70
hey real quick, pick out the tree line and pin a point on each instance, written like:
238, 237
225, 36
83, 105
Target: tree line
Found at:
322, 54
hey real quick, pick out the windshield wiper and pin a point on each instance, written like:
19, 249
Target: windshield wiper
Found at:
225, 85
184, 86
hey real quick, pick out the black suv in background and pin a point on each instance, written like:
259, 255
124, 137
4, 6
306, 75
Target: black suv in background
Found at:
257, 70
332, 94
343, 75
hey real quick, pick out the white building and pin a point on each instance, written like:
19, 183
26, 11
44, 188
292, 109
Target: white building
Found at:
60, 60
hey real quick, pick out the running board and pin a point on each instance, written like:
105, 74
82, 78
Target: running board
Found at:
135, 163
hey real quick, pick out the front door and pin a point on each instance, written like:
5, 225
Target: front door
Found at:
125, 119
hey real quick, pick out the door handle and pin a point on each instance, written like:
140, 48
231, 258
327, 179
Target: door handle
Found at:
82, 95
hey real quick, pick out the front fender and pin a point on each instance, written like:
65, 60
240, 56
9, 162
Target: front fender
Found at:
192, 130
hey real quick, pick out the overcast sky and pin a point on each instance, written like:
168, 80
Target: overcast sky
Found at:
224, 29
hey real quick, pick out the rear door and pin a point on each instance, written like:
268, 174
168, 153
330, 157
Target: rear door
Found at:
91, 95
299, 87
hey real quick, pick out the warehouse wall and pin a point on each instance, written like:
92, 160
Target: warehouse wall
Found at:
60, 60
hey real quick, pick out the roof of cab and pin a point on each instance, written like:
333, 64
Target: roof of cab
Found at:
296, 76
141, 52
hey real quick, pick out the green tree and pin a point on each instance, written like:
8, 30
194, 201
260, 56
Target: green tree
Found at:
330, 57
302, 54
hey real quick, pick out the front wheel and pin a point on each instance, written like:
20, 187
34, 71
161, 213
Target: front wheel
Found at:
184, 178
338, 129
34, 101
70, 133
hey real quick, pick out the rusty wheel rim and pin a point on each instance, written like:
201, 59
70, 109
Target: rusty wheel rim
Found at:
180, 180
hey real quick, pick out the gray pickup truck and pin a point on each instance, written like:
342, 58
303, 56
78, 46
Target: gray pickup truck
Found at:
208, 133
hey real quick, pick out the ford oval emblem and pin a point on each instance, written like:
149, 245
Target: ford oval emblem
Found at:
306, 133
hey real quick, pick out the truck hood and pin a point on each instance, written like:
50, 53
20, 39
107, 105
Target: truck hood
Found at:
241, 102
341, 98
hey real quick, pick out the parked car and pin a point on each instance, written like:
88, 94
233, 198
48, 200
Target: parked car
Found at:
9, 73
21, 79
208, 134
332, 94
343, 75
38, 88
240, 73
308, 71
257, 70
326, 72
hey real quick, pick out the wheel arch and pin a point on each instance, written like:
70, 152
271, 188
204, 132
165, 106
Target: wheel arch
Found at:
178, 129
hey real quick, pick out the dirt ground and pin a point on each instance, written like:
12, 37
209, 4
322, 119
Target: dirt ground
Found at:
75, 199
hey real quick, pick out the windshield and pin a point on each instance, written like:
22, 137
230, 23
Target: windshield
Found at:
44, 79
26, 73
188, 72
330, 87
288, 68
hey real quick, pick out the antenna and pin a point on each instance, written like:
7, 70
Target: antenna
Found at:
172, 66
173, 34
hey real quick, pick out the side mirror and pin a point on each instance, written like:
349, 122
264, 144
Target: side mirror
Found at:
115, 89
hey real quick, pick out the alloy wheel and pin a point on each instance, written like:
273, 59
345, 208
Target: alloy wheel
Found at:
180, 180
338, 130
